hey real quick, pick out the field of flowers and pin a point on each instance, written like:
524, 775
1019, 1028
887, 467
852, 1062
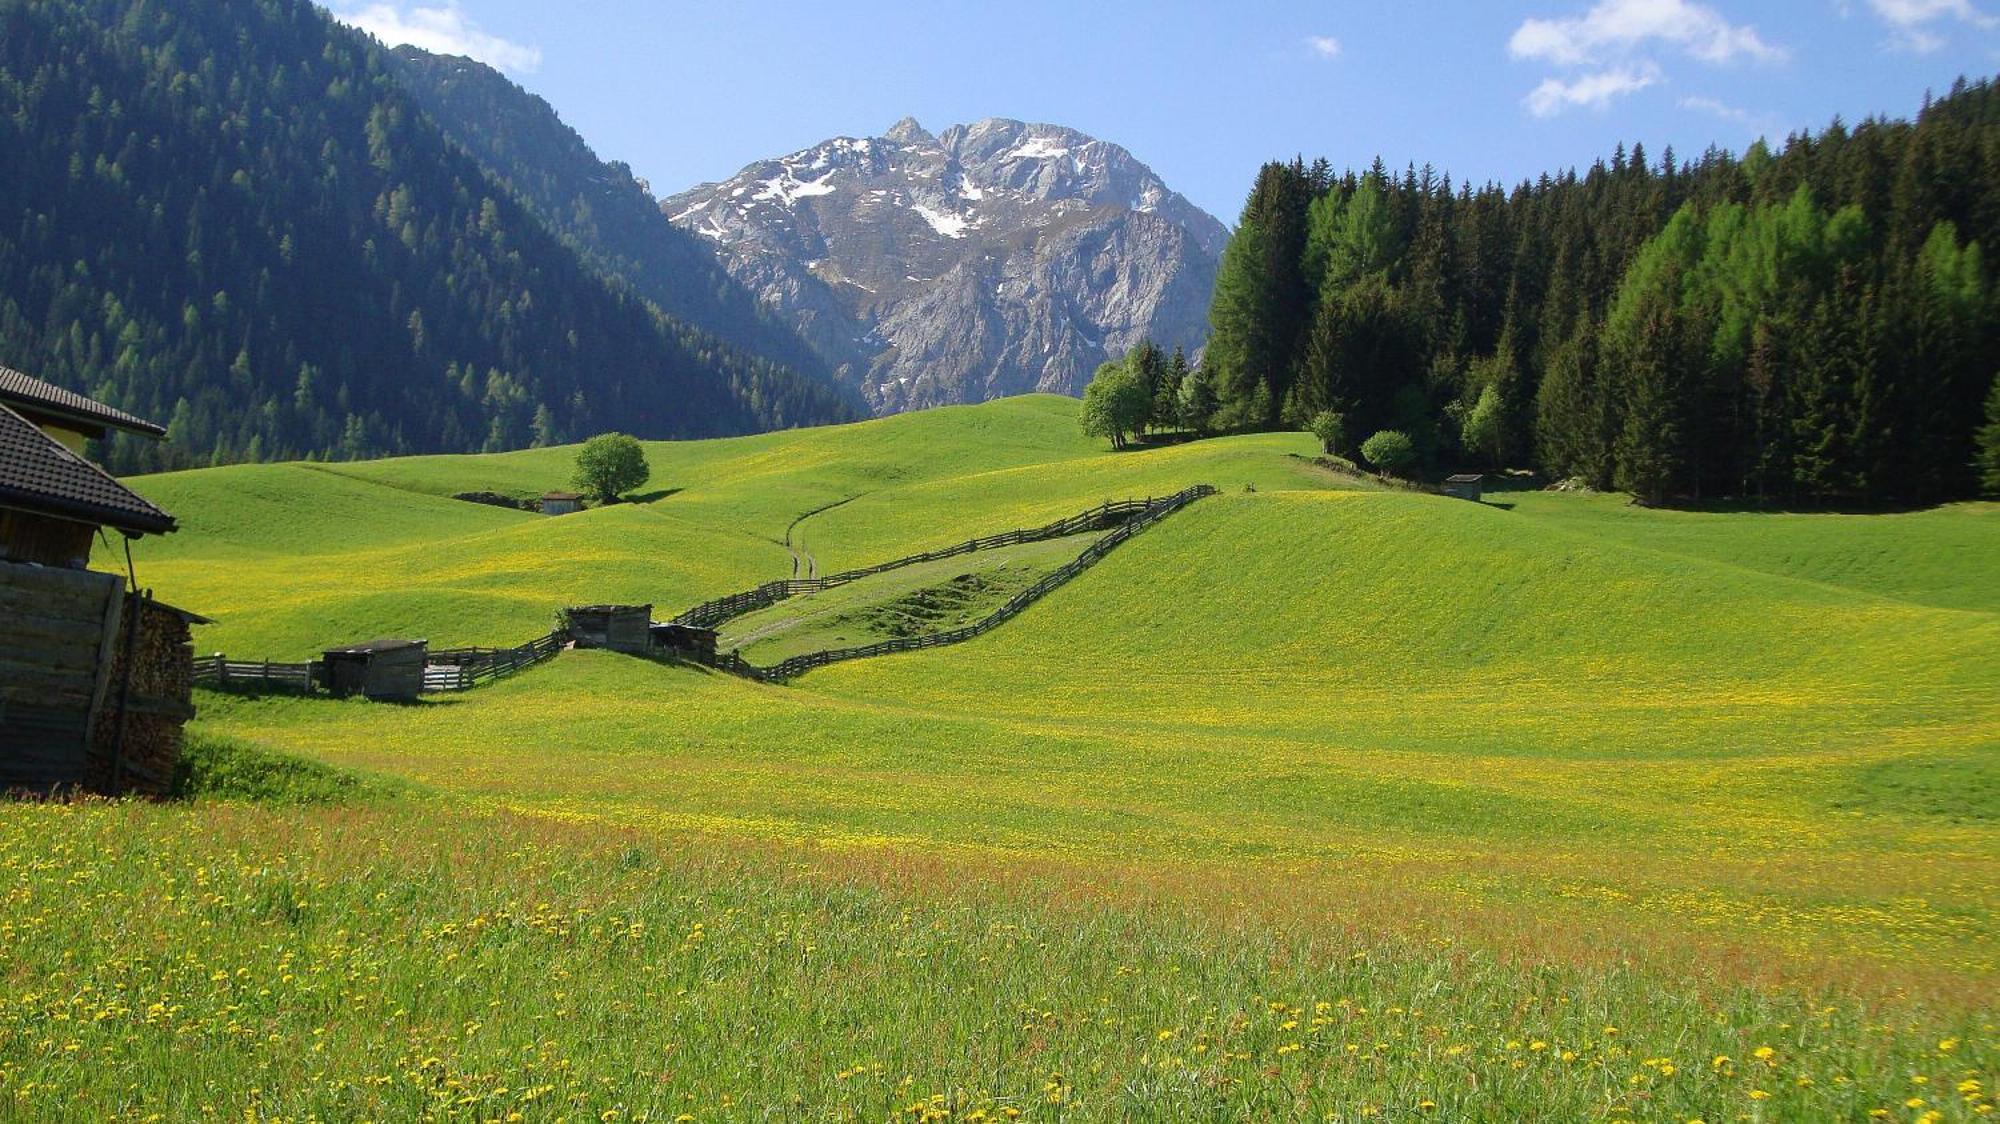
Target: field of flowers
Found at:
1308, 801
404, 961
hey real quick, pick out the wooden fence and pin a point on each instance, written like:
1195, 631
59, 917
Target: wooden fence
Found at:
447, 669
1111, 513
1131, 517
459, 669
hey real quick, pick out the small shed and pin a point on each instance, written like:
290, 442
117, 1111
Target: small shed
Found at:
685, 640
1465, 486
619, 628
561, 503
378, 669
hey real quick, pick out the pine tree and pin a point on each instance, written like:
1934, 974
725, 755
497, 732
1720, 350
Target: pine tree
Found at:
1167, 396
1986, 461
1651, 447
1257, 315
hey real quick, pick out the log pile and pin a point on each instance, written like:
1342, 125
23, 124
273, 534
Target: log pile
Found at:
137, 742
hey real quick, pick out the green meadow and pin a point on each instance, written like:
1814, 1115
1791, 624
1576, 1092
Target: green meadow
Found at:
1313, 799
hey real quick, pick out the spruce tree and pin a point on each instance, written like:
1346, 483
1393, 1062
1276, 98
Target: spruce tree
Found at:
1258, 313
1986, 460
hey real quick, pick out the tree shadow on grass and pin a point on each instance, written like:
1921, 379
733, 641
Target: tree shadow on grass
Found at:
653, 496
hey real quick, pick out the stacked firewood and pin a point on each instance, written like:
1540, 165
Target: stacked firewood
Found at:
139, 754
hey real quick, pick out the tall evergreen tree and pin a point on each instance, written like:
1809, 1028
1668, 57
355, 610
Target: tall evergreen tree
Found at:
1259, 309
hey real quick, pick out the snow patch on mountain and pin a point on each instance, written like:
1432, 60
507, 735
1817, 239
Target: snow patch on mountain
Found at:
951, 226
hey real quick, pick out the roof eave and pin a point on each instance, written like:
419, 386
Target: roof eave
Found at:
126, 522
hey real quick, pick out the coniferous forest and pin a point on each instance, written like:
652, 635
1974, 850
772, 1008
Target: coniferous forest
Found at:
229, 216
1814, 323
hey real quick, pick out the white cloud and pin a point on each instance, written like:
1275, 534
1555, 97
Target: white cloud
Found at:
444, 30
1325, 46
1589, 91
1910, 21
1718, 108
1616, 27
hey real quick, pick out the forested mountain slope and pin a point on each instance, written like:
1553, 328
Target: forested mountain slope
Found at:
1815, 322
232, 217
599, 208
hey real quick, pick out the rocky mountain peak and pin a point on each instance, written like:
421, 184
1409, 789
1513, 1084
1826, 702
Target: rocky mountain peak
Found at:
997, 257
908, 131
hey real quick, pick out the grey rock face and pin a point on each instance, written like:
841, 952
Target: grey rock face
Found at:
996, 258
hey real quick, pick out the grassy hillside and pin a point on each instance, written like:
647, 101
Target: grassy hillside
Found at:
1361, 793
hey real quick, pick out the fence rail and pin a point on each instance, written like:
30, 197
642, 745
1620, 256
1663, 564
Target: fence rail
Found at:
222, 672
1108, 514
1133, 516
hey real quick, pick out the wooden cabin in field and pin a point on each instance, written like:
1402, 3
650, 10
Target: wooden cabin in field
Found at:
684, 640
384, 670
617, 628
561, 503
1465, 486
94, 679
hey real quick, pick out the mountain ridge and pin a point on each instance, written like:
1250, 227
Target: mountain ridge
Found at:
599, 207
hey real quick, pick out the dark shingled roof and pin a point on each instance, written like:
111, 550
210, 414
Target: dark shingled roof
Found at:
32, 394
38, 474
370, 647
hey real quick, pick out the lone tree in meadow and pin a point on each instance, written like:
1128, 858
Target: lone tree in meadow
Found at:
1389, 450
1331, 429
1116, 403
609, 465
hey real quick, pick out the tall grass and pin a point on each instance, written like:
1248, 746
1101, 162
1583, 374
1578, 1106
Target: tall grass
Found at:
387, 964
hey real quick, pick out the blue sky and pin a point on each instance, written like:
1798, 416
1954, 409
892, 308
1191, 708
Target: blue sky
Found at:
1204, 92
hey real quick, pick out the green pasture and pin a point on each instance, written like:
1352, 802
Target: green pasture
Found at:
1548, 755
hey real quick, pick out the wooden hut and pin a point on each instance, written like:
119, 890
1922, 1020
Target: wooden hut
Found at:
1465, 486
619, 628
561, 503
391, 670
684, 640
75, 655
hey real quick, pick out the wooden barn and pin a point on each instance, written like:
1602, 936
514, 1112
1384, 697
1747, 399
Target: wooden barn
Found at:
619, 628
94, 679
561, 503
385, 670
1465, 486
684, 640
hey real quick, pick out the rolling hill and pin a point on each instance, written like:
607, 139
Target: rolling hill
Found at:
1367, 794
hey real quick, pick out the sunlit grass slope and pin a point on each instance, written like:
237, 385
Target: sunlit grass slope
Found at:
1557, 767
1360, 682
1942, 556
293, 558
